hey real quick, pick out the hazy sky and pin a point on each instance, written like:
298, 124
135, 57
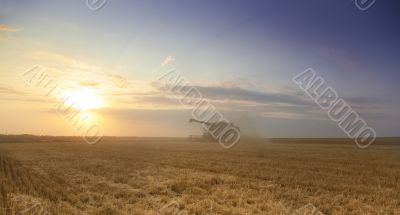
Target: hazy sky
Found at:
241, 55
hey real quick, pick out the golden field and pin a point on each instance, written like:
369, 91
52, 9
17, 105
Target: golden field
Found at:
175, 176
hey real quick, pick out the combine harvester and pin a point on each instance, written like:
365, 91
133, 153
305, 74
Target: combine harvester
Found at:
211, 130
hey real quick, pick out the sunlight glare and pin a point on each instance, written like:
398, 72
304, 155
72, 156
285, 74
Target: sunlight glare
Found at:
87, 98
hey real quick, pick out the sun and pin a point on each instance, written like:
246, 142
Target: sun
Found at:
87, 98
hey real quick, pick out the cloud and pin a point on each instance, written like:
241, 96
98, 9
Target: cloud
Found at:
286, 103
8, 94
228, 97
6, 28
66, 61
238, 94
5, 90
73, 72
159, 102
168, 60
89, 84
22, 100
282, 115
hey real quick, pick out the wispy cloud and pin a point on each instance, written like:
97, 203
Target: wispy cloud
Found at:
232, 94
6, 90
168, 60
64, 60
9, 94
74, 72
7, 28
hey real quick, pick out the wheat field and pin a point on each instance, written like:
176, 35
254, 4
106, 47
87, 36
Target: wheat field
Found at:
175, 176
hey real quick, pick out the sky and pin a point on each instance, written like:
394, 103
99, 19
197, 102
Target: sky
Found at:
241, 55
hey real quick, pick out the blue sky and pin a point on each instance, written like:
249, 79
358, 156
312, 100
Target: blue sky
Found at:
235, 52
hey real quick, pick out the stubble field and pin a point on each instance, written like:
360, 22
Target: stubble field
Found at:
175, 176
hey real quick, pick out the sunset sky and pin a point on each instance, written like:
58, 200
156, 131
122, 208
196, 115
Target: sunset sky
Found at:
240, 56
